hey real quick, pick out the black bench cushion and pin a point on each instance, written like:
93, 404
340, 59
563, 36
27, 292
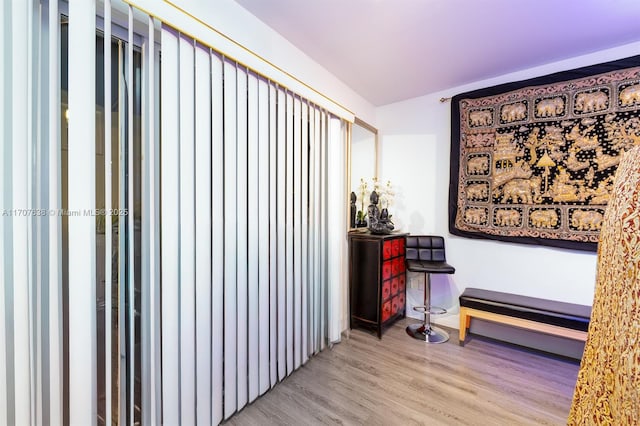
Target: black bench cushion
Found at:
568, 315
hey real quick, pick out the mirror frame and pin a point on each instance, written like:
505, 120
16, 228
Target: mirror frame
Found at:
374, 131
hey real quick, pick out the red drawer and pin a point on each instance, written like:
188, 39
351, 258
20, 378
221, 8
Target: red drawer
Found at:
401, 301
397, 266
387, 268
395, 305
394, 285
386, 289
386, 310
402, 283
387, 249
395, 247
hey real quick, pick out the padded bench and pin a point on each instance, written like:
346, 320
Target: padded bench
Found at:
547, 316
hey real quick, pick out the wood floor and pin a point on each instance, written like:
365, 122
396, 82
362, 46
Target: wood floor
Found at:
401, 381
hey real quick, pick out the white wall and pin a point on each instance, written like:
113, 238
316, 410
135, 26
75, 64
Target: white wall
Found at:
414, 154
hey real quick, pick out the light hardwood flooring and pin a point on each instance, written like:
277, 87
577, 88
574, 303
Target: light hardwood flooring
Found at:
401, 381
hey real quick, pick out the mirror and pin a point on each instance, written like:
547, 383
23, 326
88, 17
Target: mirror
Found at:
364, 159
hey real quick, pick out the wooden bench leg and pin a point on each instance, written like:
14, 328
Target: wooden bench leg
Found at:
465, 322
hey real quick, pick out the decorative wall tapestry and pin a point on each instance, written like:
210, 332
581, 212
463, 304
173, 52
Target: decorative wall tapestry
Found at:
533, 161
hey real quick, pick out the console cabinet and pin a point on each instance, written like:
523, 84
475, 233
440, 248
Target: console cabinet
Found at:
377, 279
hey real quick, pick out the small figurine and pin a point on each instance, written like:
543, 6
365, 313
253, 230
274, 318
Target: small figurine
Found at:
379, 223
352, 212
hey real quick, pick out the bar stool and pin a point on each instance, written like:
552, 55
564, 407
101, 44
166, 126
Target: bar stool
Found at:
425, 253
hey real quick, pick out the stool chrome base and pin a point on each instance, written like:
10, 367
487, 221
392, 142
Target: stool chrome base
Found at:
427, 333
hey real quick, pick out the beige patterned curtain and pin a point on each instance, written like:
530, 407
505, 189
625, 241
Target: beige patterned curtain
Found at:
608, 386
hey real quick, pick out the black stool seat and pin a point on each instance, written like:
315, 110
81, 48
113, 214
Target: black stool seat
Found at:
430, 267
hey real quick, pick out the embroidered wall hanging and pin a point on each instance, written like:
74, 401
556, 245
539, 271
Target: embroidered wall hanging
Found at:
533, 161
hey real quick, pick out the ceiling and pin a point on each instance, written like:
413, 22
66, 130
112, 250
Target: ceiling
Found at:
392, 50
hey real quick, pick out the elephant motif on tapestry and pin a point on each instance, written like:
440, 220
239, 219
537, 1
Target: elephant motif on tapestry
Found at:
513, 112
507, 217
526, 191
478, 165
475, 216
552, 107
586, 220
630, 95
477, 192
591, 101
480, 118
544, 218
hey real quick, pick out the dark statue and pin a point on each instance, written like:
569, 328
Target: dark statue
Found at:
379, 222
352, 212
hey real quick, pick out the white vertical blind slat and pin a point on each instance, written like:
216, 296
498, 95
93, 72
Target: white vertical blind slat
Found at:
122, 241
230, 241
170, 225
145, 249
55, 225
242, 261
322, 221
253, 258
217, 194
262, 214
155, 292
317, 222
304, 296
82, 239
281, 280
273, 237
37, 129
5, 119
19, 223
154, 415
289, 253
297, 232
130, 287
312, 233
187, 231
150, 288
336, 228
203, 235
108, 223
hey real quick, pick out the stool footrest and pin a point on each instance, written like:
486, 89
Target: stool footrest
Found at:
433, 310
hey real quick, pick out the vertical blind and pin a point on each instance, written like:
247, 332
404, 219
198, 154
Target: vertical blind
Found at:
222, 271
244, 227
30, 242
62, 358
